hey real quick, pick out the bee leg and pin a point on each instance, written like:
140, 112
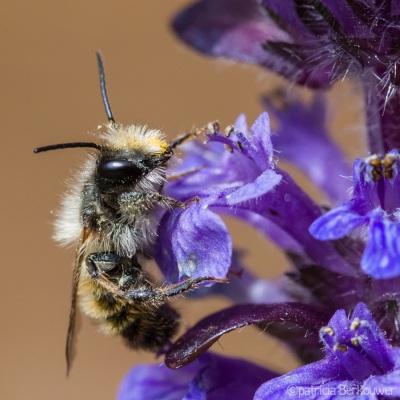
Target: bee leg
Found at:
131, 201
188, 284
179, 140
155, 294
210, 128
173, 203
98, 263
179, 175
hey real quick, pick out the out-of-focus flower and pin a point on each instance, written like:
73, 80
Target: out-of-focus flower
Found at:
310, 42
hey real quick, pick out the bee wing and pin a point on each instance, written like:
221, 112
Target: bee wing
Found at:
69, 349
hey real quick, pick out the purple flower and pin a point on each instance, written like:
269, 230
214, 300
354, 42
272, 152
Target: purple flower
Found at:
236, 175
212, 377
376, 201
359, 363
310, 42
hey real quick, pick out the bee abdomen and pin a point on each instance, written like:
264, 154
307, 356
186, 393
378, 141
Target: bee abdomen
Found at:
151, 329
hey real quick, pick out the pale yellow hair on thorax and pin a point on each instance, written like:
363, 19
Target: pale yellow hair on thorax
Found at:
135, 137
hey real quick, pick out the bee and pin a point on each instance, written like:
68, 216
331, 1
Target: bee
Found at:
111, 213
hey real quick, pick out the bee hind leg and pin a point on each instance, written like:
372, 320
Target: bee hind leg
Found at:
188, 284
162, 293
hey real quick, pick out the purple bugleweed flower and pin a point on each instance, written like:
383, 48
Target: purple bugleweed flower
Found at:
313, 43
376, 201
359, 363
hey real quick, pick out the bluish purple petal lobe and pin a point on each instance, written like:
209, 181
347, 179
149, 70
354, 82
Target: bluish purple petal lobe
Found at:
228, 378
193, 242
365, 193
337, 223
241, 125
196, 390
386, 385
372, 339
319, 380
205, 333
302, 139
156, 382
263, 184
261, 140
212, 377
381, 258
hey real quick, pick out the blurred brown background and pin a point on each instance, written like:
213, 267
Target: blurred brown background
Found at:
50, 94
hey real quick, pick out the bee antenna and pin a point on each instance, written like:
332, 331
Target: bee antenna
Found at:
103, 88
67, 146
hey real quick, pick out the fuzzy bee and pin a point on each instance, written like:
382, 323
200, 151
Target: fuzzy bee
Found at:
110, 212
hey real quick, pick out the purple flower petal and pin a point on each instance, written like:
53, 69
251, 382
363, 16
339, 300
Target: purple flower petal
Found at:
155, 382
386, 385
337, 223
193, 242
262, 185
228, 378
213, 377
381, 258
206, 332
372, 339
260, 136
309, 382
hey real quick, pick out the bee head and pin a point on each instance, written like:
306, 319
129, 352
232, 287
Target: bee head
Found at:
129, 154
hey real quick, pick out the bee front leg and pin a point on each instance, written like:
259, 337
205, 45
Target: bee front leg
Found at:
210, 128
134, 201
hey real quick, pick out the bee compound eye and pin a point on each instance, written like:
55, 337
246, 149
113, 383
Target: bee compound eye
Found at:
119, 169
